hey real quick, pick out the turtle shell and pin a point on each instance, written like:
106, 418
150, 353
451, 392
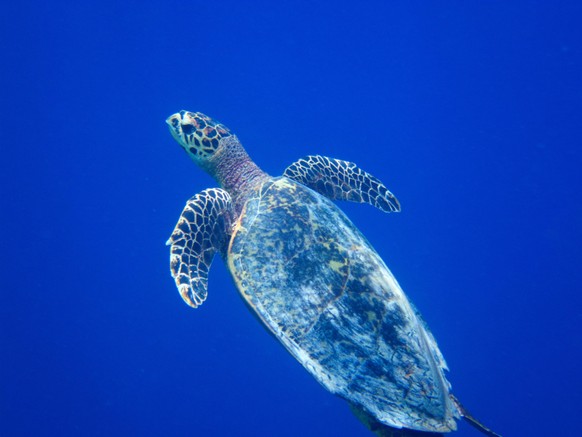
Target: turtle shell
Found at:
318, 285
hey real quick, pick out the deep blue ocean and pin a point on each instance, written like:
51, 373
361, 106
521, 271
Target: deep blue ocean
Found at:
470, 112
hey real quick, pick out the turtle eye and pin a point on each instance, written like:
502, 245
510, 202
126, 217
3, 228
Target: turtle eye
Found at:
187, 129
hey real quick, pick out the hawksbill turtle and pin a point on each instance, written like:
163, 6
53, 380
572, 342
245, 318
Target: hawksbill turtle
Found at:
312, 278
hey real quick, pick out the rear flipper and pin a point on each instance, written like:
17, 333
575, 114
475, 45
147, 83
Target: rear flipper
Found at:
382, 430
472, 421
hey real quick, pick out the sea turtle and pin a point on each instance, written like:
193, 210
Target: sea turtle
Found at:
311, 277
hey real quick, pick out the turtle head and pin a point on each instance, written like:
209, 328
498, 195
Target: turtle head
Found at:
198, 134
216, 150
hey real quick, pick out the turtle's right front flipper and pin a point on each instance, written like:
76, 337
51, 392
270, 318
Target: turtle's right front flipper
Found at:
201, 232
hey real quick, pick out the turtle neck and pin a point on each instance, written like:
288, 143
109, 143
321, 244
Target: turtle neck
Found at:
234, 170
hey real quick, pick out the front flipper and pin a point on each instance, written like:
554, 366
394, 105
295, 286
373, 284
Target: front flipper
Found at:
201, 232
342, 180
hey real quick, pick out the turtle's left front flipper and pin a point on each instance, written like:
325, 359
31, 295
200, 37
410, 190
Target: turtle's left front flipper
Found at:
342, 180
199, 234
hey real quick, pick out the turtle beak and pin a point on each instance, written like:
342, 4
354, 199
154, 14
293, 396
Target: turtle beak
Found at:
175, 125
174, 122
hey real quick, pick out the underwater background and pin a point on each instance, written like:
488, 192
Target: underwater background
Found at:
470, 112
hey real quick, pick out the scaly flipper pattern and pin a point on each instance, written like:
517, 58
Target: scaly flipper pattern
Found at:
342, 180
201, 232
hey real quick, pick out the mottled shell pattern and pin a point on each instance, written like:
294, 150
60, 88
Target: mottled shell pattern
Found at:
324, 292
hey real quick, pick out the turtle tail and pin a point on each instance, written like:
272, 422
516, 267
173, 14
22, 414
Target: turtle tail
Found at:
472, 421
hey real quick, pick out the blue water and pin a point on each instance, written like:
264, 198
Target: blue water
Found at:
468, 111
